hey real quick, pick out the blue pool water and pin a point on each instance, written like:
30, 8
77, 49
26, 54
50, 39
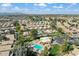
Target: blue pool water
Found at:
38, 47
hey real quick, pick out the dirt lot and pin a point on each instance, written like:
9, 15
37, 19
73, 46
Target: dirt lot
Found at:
5, 46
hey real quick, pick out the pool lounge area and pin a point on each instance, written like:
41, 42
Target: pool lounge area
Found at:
38, 47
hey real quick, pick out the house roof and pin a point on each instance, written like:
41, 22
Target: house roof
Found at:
58, 40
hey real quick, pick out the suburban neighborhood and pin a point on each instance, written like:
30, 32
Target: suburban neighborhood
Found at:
39, 35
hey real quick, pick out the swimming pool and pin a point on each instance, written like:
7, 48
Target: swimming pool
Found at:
38, 47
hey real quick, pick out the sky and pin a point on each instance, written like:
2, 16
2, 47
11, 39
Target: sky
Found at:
40, 8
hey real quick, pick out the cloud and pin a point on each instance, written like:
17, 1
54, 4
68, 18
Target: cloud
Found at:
48, 9
6, 5
58, 6
12, 8
76, 10
16, 8
40, 4
71, 5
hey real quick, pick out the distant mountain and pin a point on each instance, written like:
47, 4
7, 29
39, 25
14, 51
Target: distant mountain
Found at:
6, 13
20, 13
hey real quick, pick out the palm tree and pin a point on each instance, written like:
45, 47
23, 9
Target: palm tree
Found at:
21, 45
67, 48
33, 34
46, 51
